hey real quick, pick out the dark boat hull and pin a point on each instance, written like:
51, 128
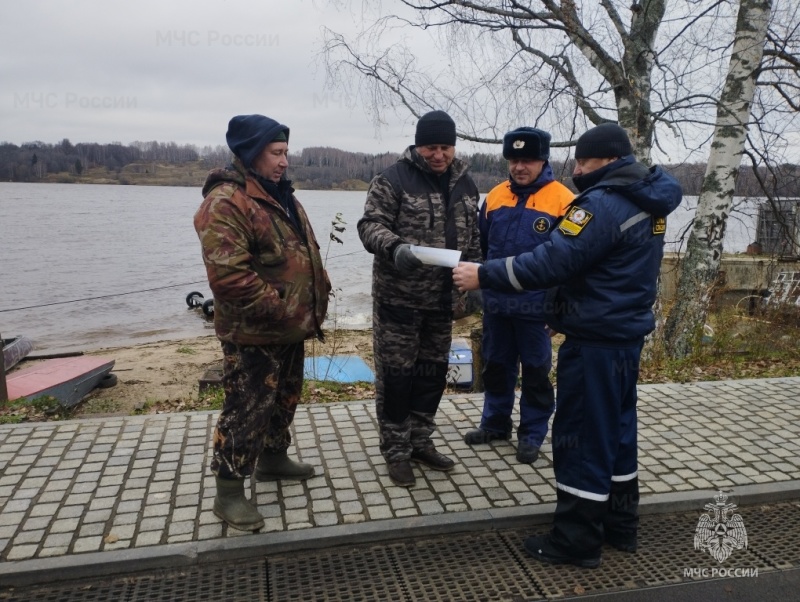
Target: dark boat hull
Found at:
15, 350
67, 379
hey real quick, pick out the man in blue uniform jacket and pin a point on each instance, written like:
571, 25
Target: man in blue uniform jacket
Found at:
517, 216
603, 260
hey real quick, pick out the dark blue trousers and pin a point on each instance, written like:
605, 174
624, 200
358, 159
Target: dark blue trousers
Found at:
595, 430
594, 446
509, 341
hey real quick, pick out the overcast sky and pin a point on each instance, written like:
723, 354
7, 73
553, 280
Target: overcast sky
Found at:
177, 71
95, 71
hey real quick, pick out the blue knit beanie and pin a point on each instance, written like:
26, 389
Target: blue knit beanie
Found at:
249, 134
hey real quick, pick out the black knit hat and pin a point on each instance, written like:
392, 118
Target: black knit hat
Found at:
604, 141
436, 127
526, 143
249, 134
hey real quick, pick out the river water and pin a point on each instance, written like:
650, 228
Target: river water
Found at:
92, 266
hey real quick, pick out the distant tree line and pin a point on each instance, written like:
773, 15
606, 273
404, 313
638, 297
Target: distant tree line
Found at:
319, 168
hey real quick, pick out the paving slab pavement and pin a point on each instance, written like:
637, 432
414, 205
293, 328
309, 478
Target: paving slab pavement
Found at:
108, 495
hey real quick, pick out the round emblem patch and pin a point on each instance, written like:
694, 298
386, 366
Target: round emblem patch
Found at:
542, 224
578, 216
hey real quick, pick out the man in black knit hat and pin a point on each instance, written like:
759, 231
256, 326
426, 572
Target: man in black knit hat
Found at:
601, 265
427, 198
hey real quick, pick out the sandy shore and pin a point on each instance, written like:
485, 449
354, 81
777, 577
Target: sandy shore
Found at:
165, 376
152, 374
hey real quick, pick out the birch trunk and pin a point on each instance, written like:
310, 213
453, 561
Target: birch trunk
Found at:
700, 265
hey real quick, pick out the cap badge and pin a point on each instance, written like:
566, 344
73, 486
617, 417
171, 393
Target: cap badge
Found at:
518, 143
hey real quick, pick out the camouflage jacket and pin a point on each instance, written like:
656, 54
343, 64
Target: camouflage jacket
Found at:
267, 277
404, 205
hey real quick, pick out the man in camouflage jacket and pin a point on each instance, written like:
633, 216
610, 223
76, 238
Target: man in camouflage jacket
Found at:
427, 198
270, 294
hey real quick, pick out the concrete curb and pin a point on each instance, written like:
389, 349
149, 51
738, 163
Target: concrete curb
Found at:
182, 555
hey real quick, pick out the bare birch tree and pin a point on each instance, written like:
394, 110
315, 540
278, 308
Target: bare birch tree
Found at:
676, 74
700, 265
562, 65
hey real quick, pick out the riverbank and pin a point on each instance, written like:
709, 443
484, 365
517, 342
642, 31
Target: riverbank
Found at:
164, 376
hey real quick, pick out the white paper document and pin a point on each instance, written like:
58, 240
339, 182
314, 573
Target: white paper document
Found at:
446, 258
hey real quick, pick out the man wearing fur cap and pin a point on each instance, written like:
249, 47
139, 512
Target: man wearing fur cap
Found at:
517, 216
602, 262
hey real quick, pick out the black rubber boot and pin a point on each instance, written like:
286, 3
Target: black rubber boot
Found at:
234, 508
542, 549
621, 521
577, 529
279, 467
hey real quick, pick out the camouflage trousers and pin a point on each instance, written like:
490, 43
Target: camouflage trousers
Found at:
410, 348
262, 389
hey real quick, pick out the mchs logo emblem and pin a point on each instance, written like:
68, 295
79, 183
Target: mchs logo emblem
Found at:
718, 532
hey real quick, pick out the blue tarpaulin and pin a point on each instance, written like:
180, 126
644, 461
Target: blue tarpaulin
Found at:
337, 368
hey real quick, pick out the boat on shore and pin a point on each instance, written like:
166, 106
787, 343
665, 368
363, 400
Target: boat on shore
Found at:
68, 379
15, 350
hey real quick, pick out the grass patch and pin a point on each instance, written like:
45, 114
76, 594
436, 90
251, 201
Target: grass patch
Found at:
100, 406
143, 407
742, 346
39, 409
211, 399
186, 350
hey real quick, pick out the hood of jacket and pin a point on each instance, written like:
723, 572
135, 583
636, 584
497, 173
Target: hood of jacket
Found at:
652, 190
234, 173
237, 174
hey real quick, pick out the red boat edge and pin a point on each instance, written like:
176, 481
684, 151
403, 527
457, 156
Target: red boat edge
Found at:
67, 379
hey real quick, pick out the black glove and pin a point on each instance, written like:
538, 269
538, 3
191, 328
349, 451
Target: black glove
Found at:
404, 260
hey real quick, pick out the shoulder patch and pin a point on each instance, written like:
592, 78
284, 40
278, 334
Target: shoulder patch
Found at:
574, 221
659, 225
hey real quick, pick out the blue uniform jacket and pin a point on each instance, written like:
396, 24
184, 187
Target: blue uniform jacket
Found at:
604, 256
514, 220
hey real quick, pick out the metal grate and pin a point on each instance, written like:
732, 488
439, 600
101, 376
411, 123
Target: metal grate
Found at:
88, 593
772, 533
468, 567
362, 574
239, 582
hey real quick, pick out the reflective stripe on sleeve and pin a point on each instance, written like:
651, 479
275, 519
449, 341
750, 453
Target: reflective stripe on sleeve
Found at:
633, 220
510, 272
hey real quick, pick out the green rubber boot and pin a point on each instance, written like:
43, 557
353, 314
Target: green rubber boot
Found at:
277, 467
234, 508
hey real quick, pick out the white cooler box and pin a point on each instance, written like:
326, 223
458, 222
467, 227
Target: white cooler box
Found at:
459, 370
